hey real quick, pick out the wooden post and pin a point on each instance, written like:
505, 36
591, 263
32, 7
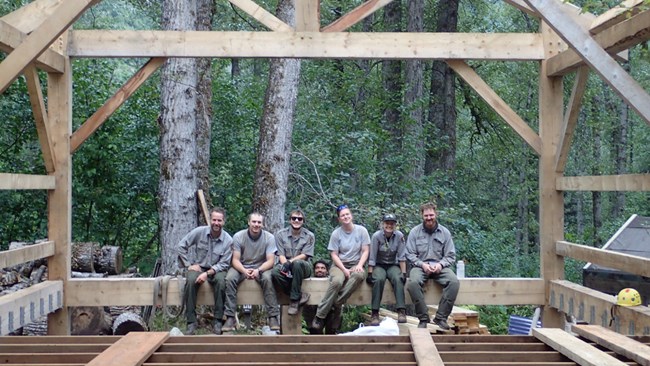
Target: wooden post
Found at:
60, 199
551, 201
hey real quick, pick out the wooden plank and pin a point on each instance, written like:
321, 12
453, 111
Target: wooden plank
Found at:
204, 206
10, 258
62, 340
618, 38
617, 183
499, 105
595, 56
113, 103
131, 350
40, 116
52, 348
571, 118
492, 46
299, 346
307, 15
606, 258
581, 17
356, 15
596, 308
26, 306
139, 291
26, 181
37, 41
283, 358
10, 38
32, 15
622, 345
615, 15
575, 349
426, 353
262, 15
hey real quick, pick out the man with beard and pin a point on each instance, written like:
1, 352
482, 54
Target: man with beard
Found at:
430, 249
205, 253
253, 255
295, 248
333, 318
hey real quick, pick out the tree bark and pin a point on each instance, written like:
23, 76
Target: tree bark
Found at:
83, 256
109, 260
178, 146
276, 129
128, 322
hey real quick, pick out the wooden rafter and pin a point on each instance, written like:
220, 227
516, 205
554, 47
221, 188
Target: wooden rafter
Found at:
571, 118
262, 15
605, 258
40, 117
104, 112
37, 41
581, 17
499, 105
11, 37
594, 55
356, 15
26, 181
308, 16
486, 46
31, 16
616, 15
617, 183
614, 39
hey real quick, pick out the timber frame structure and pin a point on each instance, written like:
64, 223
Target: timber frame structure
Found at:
39, 37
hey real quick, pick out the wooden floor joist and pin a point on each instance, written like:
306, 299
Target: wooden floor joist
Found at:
574, 348
618, 343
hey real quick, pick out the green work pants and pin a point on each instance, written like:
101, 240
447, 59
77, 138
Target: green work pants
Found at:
234, 278
380, 272
450, 286
218, 283
339, 290
292, 286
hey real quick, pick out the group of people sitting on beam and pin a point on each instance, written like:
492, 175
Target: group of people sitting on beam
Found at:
284, 259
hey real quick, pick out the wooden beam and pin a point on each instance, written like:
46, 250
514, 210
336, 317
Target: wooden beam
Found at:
571, 118
204, 206
606, 258
484, 46
140, 291
622, 345
618, 38
32, 15
307, 16
577, 350
40, 116
615, 15
131, 350
10, 258
121, 95
499, 105
424, 349
26, 306
599, 308
261, 15
581, 17
615, 183
11, 38
356, 15
26, 181
37, 41
595, 56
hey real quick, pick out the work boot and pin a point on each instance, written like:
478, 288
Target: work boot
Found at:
317, 324
218, 324
423, 324
191, 328
274, 323
401, 315
442, 323
230, 324
374, 318
295, 304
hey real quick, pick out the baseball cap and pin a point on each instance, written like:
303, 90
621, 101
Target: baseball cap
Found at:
389, 217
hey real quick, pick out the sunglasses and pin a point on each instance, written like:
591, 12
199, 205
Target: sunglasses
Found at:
296, 218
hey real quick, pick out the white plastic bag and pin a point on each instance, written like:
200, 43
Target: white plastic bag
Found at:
388, 326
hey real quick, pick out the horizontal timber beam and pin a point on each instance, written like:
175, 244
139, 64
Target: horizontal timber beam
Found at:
26, 306
12, 257
140, 291
606, 258
481, 46
11, 38
597, 308
617, 183
26, 181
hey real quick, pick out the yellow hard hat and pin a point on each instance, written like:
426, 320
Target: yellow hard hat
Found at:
628, 297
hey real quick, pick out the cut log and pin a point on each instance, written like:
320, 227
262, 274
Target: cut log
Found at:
128, 322
83, 256
90, 320
109, 260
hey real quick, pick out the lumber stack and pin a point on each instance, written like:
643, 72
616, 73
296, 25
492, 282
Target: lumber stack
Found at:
463, 321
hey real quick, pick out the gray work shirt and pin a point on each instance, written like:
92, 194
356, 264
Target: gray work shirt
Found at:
199, 247
433, 248
387, 251
290, 246
349, 245
253, 252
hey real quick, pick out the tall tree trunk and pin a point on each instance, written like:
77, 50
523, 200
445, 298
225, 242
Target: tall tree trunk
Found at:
414, 146
441, 150
178, 146
276, 128
620, 144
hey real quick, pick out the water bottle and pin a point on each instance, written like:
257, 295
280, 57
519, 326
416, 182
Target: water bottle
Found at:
460, 269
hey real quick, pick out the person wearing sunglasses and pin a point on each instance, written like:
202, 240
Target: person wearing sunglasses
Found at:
295, 248
349, 246
387, 260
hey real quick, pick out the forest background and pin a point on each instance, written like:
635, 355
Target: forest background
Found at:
381, 136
